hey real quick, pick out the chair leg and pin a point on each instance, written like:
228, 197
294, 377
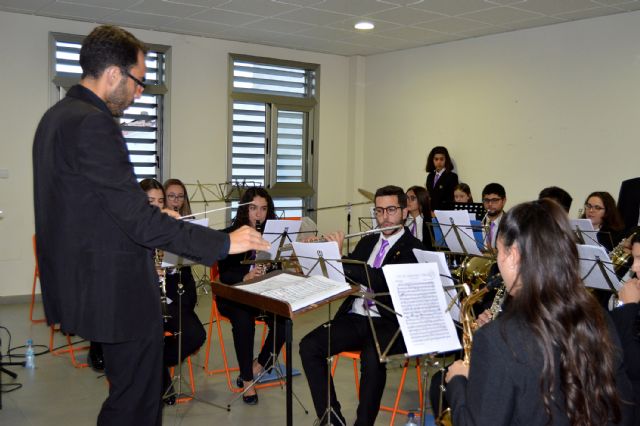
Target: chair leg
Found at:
36, 275
192, 384
71, 349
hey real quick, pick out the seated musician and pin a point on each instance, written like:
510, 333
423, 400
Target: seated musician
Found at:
551, 358
193, 333
494, 198
558, 195
242, 317
462, 193
601, 210
418, 209
626, 318
350, 329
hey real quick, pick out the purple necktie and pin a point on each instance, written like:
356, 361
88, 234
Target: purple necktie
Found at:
380, 256
489, 243
435, 179
413, 229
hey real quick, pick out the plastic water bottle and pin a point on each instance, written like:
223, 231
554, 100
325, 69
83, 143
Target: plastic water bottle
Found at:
411, 420
29, 356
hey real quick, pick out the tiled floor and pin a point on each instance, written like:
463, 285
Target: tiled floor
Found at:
56, 393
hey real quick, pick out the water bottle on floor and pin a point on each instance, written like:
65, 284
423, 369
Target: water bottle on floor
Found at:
411, 420
29, 356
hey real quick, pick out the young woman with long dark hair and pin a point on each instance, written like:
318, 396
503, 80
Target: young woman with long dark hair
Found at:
233, 271
441, 180
552, 358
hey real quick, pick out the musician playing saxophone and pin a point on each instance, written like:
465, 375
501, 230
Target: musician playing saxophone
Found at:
552, 358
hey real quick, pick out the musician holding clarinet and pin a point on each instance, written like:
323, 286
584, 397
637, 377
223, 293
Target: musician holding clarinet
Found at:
553, 357
95, 229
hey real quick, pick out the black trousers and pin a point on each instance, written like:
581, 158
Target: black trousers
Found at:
349, 332
193, 337
243, 325
134, 370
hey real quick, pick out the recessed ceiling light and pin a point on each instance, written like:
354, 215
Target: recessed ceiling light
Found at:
364, 25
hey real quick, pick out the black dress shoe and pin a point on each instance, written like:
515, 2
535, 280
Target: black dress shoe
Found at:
250, 399
240, 382
170, 400
95, 358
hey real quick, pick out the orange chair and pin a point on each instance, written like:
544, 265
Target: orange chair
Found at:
71, 349
216, 317
36, 277
355, 356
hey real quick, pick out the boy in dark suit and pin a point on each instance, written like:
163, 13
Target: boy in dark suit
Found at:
350, 329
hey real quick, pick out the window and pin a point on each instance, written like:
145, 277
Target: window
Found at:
273, 124
142, 123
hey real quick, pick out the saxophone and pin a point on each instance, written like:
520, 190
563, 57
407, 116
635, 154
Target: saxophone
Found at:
162, 280
621, 258
469, 326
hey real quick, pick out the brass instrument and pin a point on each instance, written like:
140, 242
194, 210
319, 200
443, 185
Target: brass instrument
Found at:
474, 270
162, 280
469, 326
621, 258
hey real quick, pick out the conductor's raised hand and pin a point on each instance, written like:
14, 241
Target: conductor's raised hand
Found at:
246, 238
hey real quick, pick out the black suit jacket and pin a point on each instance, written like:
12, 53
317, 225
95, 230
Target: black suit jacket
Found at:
629, 202
442, 195
400, 252
504, 380
95, 227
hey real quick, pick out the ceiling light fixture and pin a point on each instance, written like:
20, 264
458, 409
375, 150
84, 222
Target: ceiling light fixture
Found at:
364, 25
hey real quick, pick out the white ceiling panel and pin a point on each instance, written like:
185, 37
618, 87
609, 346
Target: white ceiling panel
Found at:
225, 17
77, 11
405, 16
327, 25
258, 7
160, 7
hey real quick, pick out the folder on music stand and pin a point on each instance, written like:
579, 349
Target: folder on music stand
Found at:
458, 233
596, 268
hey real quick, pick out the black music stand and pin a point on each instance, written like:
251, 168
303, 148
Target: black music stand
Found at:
277, 307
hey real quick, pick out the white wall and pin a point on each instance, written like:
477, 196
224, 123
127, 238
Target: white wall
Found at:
198, 122
557, 105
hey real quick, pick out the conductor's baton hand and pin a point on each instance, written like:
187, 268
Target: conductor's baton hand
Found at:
246, 238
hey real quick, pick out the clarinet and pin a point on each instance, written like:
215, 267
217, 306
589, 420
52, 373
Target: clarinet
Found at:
162, 280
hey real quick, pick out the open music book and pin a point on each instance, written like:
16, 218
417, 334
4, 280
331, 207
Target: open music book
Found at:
299, 292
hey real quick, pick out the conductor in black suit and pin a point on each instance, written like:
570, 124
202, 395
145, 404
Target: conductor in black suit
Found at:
95, 228
350, 329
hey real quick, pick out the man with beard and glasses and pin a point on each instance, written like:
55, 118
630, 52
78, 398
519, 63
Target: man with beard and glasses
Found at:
95, 229
350, 329
494, 197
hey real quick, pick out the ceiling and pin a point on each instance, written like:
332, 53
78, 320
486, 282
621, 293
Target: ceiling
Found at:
327, 25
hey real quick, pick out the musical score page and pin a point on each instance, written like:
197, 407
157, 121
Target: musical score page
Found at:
418, 296
298, 292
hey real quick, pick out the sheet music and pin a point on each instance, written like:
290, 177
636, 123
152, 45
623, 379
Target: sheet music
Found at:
273, 230
170, 259
308, 254
298, 292
589, 235
460, 218
439, 259
591, 273
417, 295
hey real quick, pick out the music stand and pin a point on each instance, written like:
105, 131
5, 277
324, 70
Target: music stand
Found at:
596, 268
475, 208
243, 293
